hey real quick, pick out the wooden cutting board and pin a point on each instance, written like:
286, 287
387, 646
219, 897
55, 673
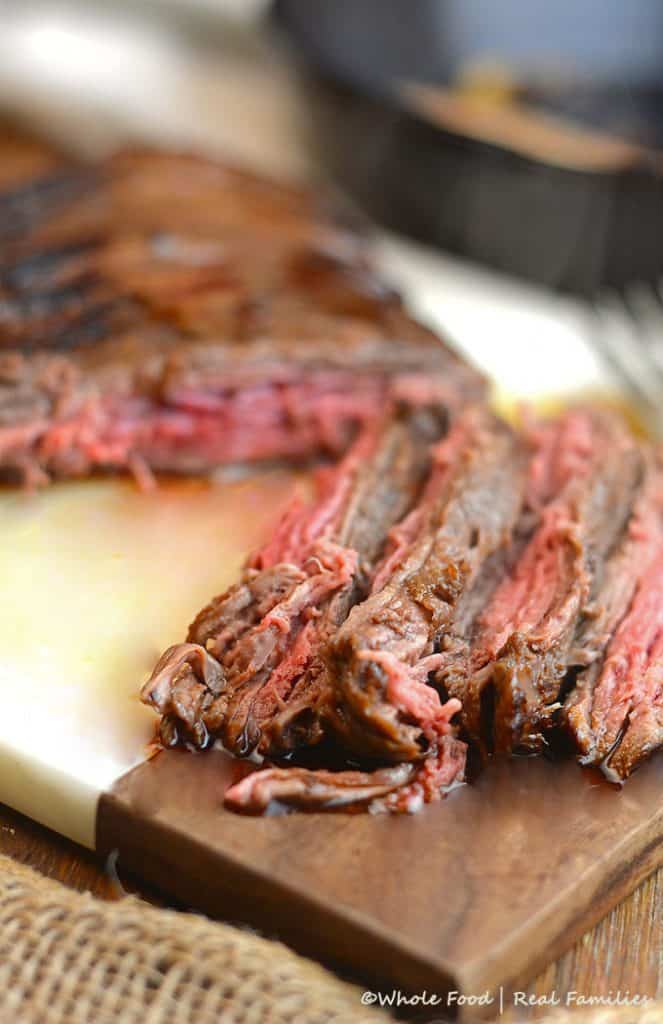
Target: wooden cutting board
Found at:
473, 895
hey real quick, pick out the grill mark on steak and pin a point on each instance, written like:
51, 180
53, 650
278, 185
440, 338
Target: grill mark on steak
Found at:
527, 633
48, 268
180, 292
265, 633
383, 654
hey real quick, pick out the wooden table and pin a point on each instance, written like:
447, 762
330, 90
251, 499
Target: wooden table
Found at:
624, 952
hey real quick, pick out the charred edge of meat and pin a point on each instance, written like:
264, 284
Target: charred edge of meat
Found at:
184, 681
362, 716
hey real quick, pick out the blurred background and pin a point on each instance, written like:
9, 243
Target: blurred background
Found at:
505, 157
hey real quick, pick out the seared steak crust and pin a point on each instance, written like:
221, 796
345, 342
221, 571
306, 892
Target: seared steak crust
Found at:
524, 575
148, 301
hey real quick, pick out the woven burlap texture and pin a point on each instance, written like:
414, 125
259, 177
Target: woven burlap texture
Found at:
68, 958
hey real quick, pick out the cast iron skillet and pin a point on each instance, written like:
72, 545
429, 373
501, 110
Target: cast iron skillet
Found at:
570, 229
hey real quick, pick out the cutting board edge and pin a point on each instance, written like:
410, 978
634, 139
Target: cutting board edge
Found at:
604, 897
119, 828
166, 819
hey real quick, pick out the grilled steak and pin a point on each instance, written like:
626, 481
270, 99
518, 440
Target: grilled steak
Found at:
319, 790
149, 302
583, 481
615, 711
402, 788
250, 671
166, 312
630, 688
384, 653
525, 573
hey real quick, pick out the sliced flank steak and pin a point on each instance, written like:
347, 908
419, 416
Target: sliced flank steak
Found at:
250, 672
510, 673
452, 581
615, 711
389, 645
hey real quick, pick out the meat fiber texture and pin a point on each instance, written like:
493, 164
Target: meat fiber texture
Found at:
518, 592
166, 312
543, 618
254, 671
615, 711
406, 501
389, 644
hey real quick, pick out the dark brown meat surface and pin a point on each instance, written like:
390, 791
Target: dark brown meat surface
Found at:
521, 590
269, 688
615, 711
150, 301
388, 646
583, 481
401, 788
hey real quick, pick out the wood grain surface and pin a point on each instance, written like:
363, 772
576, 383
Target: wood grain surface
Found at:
625, 950
476, 893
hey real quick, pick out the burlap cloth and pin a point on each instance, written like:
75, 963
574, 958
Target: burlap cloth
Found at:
68, 958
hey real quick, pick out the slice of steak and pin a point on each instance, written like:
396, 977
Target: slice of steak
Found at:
171, 294
265, 633
314, 790
632, 679
583, 480
188, 686
383, 654
399, 789
616, 700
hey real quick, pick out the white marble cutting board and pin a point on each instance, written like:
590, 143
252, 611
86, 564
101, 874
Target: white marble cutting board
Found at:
97, 578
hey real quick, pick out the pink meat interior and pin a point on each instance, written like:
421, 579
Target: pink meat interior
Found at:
200, 429
566, 449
